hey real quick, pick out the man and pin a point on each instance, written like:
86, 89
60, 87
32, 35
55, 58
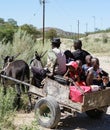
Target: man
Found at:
79, 53
56, 62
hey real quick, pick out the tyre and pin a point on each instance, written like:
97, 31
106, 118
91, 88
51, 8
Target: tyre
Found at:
96, 113
47, 112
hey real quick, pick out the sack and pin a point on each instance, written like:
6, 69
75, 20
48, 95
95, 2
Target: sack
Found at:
95, 88
76, 94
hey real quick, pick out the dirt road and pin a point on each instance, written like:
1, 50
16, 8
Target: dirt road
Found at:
80, 122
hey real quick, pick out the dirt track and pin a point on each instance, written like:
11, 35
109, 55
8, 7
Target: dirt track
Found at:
80, 122
105, 63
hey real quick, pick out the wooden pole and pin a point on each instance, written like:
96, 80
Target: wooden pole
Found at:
43, 21
78, 29
32, 89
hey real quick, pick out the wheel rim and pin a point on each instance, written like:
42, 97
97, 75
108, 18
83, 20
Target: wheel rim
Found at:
44, 113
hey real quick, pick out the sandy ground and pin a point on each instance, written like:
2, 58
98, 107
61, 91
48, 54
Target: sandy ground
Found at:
82, 121
105, 63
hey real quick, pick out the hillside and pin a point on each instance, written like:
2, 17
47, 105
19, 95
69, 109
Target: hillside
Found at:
60, 32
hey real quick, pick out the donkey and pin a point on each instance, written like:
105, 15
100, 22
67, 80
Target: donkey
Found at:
17, 69
37, 63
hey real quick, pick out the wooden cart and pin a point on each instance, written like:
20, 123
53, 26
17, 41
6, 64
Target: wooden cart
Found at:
54, 99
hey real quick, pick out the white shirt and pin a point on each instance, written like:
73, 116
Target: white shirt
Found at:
56, 57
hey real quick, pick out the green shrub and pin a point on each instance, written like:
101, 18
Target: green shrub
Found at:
96, 40
104, 38
6, 108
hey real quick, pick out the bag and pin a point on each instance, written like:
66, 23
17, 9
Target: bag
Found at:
77, 92
95, 88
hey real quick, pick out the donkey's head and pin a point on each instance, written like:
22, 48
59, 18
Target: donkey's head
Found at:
7, 59
39, 56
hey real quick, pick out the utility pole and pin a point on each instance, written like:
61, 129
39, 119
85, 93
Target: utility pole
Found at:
86, 28
78, 29
71, 31
43, 21
94, 22
43, 2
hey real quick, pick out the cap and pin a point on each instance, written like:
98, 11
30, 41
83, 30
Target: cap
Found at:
56, 40
73, 64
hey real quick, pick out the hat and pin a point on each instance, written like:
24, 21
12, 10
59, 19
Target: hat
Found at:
73, 64
56, 40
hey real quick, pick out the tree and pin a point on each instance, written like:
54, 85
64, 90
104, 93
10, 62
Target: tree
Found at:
30, 29
1, 21
7, 30
12, 22
51, 34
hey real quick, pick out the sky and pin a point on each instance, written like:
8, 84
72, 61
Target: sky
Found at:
62, 14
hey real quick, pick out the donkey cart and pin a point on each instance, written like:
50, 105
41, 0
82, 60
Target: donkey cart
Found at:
53, 99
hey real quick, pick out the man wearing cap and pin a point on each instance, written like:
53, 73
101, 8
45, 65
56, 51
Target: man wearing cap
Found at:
56, 62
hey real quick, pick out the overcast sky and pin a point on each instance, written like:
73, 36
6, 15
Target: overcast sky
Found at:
63, 14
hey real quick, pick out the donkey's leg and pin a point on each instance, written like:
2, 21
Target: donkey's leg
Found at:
22, 85
4, 89
18, 96
23, 88
29, 108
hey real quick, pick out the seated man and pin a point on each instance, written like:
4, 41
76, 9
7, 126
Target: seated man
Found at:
79, 53
56, 61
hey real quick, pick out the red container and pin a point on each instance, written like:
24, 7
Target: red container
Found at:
76, 94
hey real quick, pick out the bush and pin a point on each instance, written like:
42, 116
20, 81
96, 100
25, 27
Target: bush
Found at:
104, 38
96, 40
6, 108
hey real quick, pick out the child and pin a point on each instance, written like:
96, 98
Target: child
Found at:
73, 73
95, 75
86, 66
105, 82
69, 56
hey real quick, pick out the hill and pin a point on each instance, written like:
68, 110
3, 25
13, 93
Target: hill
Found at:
60, 32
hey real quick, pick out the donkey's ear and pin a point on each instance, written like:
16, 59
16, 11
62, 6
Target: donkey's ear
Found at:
16, 56
3, 57
36, 53
42, 54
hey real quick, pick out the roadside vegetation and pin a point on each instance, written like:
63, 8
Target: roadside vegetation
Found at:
7, 111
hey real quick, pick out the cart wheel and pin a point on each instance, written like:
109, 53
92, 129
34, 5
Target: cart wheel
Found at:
95, 113
47, 112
